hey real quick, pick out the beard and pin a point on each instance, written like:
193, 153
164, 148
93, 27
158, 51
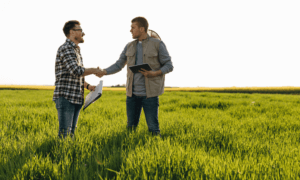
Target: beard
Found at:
135, 37
80, 39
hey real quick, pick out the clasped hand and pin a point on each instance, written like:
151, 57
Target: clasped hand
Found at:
149, 74
100, 72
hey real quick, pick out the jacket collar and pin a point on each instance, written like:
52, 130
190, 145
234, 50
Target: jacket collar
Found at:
147, 39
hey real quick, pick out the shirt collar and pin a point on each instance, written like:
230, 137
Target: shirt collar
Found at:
72, 43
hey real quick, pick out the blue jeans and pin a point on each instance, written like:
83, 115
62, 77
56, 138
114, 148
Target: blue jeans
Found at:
134, 107
68, 114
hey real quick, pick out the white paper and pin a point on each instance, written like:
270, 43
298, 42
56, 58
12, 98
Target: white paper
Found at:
93, 95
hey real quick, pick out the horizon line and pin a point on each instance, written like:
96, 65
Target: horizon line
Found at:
115, 86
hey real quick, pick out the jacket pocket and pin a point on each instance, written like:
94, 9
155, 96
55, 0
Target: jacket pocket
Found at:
155, 80
152, 60
130, 58
155, 84
152, 54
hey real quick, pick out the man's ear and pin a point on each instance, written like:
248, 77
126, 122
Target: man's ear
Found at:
71, 33
142, 29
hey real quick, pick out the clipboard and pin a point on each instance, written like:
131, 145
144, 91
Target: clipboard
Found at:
93, 95
136, 68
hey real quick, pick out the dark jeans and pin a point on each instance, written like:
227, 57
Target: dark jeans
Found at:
134, 107
68, 114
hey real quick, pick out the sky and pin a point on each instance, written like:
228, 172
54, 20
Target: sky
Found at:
215, 43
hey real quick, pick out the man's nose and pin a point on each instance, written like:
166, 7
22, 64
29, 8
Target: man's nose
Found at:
83, 33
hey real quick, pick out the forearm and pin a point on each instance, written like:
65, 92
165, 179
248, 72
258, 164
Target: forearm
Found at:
89, 87
89, 71
158, 73
151, 74
113, 69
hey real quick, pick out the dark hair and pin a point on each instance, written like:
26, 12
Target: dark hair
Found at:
141, 22
69, 25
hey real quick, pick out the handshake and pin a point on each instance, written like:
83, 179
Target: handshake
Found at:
100, 72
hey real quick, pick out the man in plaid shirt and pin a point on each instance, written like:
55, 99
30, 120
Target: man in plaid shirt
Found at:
69, 79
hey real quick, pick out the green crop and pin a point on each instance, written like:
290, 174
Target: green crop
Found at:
205, 135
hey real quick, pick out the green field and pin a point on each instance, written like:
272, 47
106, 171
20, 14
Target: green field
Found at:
204, 136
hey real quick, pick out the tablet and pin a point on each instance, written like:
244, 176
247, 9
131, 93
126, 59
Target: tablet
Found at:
136, 68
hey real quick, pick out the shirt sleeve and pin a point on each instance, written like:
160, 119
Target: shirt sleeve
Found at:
164, 59
68, 58
119, 64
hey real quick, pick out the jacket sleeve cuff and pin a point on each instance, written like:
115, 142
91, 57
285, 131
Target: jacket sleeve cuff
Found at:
163, 70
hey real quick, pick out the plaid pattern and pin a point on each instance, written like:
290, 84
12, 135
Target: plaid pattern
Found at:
69, 82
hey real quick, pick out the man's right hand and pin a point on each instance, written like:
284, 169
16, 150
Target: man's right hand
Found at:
100, 72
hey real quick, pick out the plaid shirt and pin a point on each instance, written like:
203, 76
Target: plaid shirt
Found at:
69, 82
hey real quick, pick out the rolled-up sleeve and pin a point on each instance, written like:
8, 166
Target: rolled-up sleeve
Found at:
119, 64
164, 59
68, 58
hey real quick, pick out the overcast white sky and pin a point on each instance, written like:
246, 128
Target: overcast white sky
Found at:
215, 43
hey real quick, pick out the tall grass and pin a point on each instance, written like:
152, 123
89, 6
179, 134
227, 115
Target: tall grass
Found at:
204, 136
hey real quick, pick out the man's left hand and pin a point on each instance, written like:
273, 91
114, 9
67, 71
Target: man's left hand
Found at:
148, 74
92, 88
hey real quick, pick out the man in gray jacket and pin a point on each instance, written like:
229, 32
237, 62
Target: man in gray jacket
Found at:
143, 88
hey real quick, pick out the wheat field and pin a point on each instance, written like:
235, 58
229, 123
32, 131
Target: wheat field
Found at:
205, 135
267, 90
